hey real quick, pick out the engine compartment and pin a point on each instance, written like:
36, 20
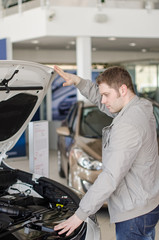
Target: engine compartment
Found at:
30, 208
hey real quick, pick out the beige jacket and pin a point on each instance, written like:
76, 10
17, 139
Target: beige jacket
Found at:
129, 181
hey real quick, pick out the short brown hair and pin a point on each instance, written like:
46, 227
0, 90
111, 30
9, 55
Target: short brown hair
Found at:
115, 77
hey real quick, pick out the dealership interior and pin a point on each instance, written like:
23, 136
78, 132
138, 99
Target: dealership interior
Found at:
83, 37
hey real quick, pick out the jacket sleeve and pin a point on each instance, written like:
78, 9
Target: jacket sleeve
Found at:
118, 157
90, 90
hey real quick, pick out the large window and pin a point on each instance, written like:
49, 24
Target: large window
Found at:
146, 80
145, 77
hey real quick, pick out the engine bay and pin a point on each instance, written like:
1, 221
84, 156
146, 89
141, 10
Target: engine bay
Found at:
30, 208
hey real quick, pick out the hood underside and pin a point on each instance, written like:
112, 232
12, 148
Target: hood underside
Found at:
23, 86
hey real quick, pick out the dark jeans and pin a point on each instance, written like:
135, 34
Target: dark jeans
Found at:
139, 228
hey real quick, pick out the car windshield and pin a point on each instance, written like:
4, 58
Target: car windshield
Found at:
92, 122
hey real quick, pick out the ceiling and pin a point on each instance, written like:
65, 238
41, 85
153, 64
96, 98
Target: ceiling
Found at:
98, 44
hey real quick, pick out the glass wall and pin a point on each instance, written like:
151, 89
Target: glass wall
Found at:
146, 79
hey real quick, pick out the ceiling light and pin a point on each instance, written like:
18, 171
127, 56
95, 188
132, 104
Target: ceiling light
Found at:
132, 44
112, 38
72, 42
35, 42
94, 49
143, 50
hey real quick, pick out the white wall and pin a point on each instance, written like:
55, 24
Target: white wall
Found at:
79, 21
120, 22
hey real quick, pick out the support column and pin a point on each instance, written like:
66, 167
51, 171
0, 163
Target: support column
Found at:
84, 60
49, 104
20, 6
1, 9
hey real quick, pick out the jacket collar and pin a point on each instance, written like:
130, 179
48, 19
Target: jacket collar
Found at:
133, 101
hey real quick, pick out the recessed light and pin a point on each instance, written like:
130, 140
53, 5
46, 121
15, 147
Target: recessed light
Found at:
132, 44
143, 50
72, 42
35, 42
112, 38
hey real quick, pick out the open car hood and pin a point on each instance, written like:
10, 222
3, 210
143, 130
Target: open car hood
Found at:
23, 86
30, 205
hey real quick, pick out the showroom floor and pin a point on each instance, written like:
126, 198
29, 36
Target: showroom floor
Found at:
107, 229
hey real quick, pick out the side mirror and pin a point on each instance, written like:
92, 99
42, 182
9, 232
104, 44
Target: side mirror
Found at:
63, 131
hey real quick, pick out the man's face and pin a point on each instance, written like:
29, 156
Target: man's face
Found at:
111, 98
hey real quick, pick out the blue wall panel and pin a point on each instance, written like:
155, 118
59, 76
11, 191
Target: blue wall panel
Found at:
3, 49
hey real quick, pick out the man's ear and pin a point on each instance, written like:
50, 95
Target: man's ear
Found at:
123, 90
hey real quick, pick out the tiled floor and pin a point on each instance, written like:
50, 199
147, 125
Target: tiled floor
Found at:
107, 229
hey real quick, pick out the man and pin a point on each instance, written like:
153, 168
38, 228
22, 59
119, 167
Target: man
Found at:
129, 181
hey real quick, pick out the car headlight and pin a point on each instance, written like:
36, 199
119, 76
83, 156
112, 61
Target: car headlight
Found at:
86, 161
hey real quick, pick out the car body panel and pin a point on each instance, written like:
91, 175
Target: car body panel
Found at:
79, 175
91, 146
